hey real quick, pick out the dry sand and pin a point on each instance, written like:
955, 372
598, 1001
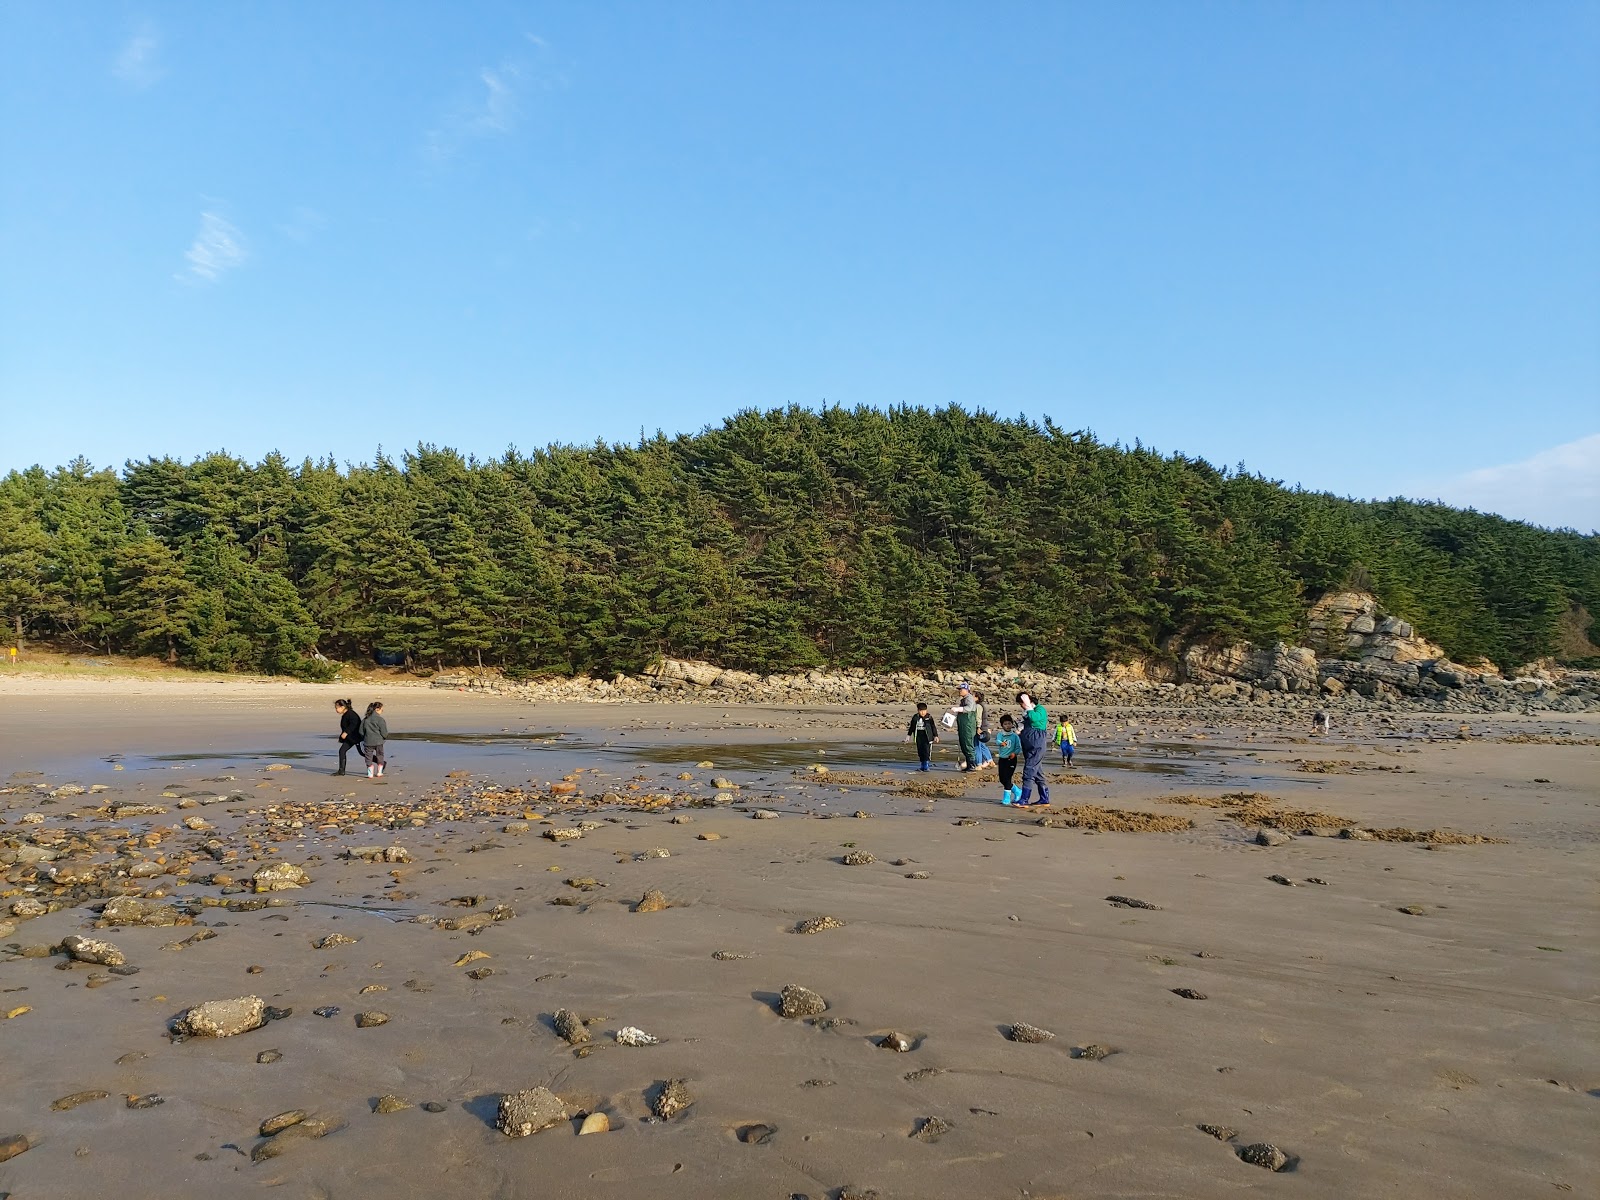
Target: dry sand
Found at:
1447, 1052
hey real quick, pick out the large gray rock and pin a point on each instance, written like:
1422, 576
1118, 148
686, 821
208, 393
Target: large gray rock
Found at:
92, 950
222, 1018
527, 1112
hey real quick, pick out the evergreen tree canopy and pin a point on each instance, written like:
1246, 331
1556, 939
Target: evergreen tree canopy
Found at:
776, 540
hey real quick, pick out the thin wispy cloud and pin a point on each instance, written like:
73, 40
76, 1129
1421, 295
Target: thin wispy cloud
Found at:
1559, 487
218, 248
492, 106
138, 63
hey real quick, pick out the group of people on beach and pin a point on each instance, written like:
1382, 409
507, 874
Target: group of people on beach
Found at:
365, 734
1011, 742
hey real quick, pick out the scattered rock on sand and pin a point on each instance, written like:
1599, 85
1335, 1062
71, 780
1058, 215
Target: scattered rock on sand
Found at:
269, 1056
280, 1122
1188, 993
130, 910
12, 1146
311, 1127
899, 1042
931, 1129
764, 814
1023, 1032
334, 939
651, 901
1263, 1154
756, 1135
1131, 902
859, 858
728, 955
371, 1020
278, 877
673, 1098
796, 1001
1271, 837
390, 854
527, 1112
1093, 1052
1283, 879
595, 1122
1222, 1133
570, 1026
563, 835
630, 1035
387, 1104
91, 950
1412, 910
709, 837
77, 1098
818, 924
222, 1018
724, 784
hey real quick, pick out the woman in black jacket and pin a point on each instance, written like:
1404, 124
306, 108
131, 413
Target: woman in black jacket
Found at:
349, 730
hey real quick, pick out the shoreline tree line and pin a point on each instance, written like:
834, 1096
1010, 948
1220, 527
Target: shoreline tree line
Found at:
776, 540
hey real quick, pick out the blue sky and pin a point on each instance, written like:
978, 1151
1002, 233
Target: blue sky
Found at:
1351, 245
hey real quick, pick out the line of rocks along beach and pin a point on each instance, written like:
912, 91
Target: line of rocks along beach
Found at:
724, 949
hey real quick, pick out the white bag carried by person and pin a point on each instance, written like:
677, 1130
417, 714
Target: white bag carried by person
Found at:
949, 720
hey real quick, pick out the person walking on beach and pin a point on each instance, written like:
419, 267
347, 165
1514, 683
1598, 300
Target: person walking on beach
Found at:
925, 730
1033, 736
349, 731
1007, 746
1066, 738
374, 732
965, 711
982, 755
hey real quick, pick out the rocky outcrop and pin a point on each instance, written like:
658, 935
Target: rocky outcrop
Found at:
1357, 656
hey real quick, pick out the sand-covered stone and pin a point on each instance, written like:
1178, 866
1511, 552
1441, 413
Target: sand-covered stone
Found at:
528, 1111
859, 858
570, 1026
1023, 1032
818, 924
1263, 1154
652, 901
796, 1001
278, 1123
13, 1145
673, 1098
222, 1018
92, 950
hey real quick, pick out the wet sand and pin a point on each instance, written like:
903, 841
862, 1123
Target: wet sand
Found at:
1449, 1050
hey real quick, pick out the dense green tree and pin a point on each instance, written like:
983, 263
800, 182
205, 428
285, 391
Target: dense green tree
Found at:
774, 540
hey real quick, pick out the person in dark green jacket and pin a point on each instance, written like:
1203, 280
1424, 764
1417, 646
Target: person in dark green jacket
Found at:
1035, 737
965, 710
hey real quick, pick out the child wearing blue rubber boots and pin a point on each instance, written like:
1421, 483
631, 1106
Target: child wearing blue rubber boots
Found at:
1035, 736
1006, 749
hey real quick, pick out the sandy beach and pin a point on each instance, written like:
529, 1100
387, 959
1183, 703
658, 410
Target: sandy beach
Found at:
1408, 1008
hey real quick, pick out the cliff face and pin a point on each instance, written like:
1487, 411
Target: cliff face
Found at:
1355, 645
